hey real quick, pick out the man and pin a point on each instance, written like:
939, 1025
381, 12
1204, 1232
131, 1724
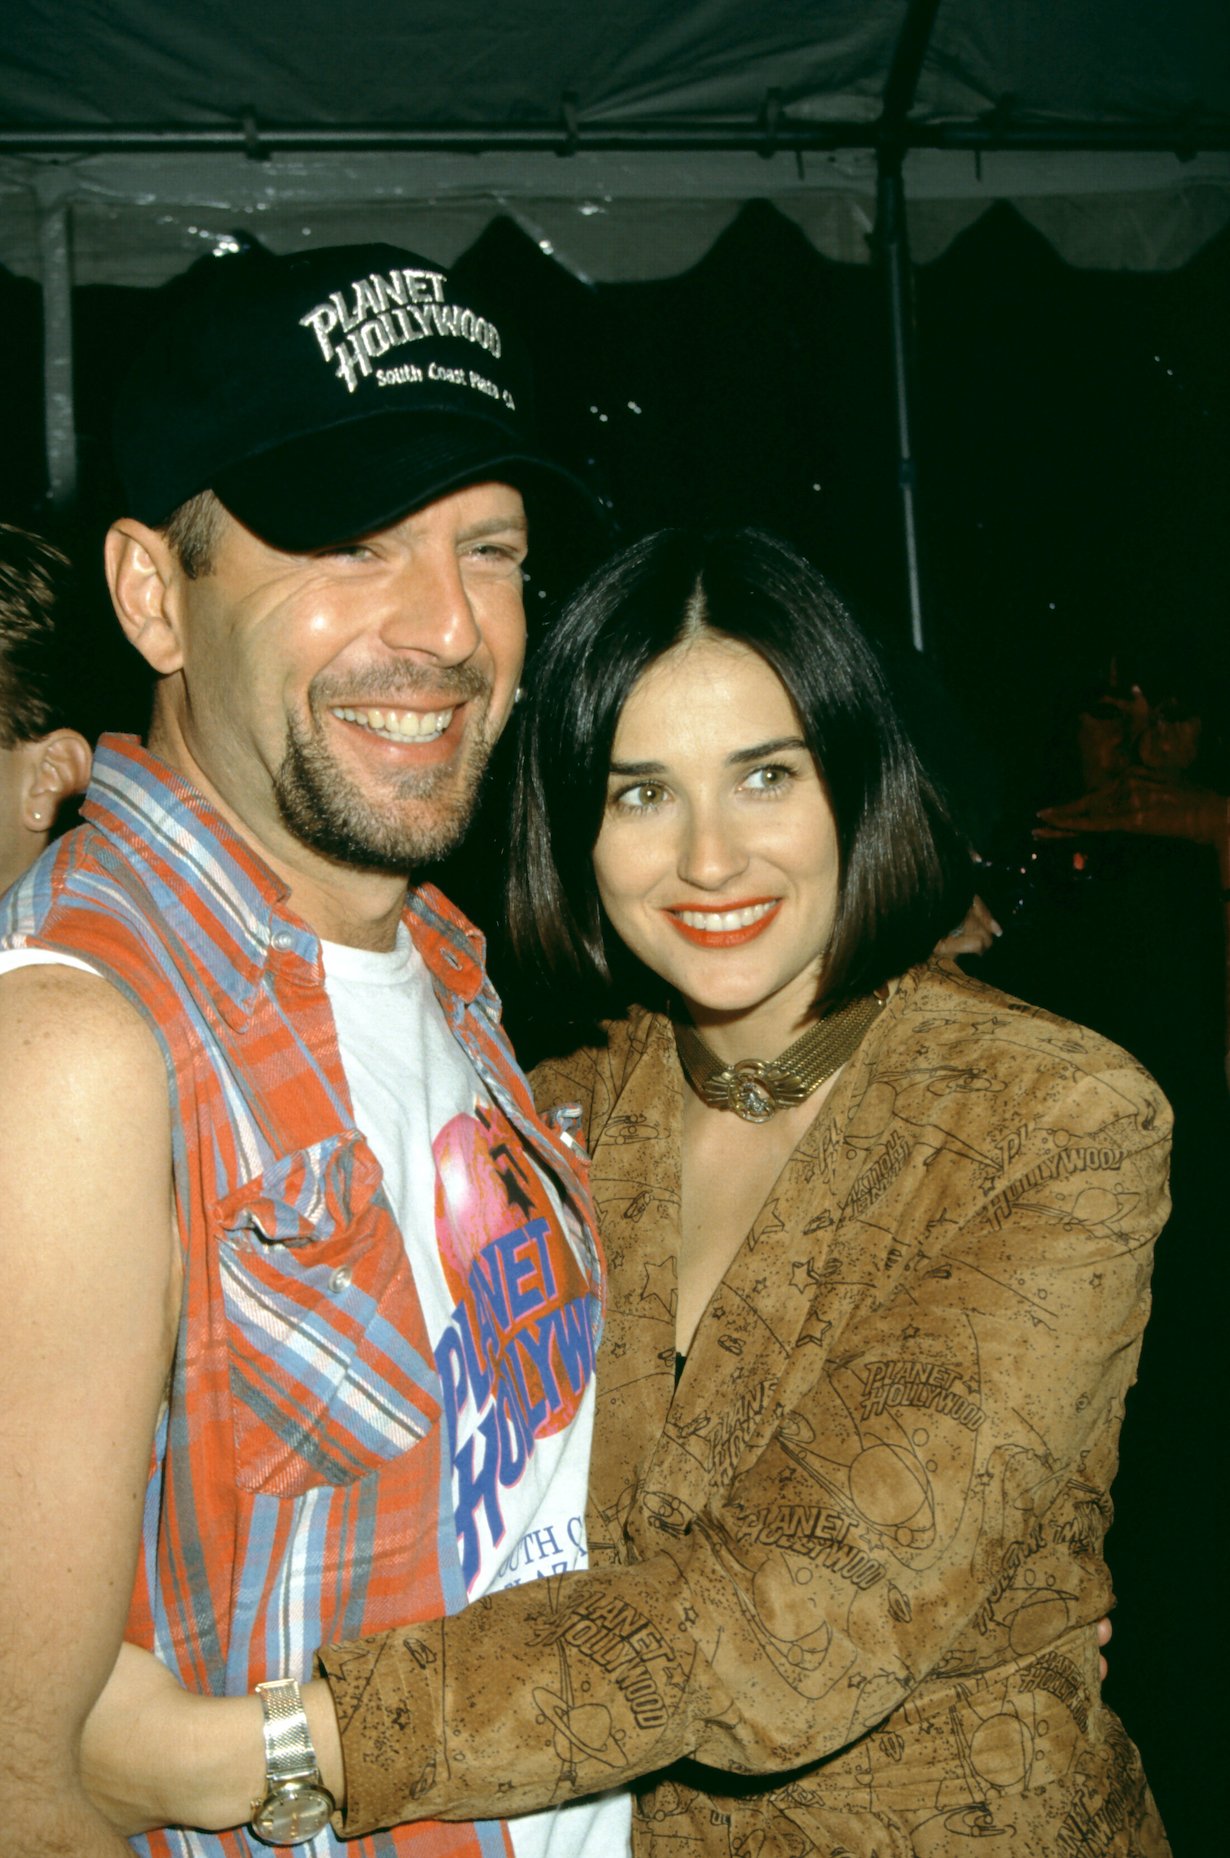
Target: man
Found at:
43, 759
304, 1295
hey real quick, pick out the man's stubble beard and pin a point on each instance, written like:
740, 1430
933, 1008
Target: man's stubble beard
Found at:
425, 816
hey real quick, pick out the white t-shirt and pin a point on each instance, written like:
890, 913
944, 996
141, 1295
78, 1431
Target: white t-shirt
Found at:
503, 1290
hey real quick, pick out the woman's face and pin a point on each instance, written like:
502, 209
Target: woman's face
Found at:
717, 858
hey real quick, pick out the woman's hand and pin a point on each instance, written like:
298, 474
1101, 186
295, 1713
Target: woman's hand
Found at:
152, 1754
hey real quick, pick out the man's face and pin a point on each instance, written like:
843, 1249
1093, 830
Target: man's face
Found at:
347, 702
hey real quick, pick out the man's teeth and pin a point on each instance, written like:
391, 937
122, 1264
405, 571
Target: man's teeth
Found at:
400, 725
721, 922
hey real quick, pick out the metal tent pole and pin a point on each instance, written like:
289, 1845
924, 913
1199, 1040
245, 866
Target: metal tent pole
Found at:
1197, 134
894, 253
892, 132
59, 420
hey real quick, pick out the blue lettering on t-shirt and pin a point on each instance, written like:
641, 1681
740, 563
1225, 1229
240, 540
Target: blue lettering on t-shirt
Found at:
527, 1271
535, 1410
487, 1283
476, 1487
510, 1360
454, 1379
536, 1339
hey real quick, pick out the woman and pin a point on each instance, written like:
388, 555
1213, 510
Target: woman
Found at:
879, 1242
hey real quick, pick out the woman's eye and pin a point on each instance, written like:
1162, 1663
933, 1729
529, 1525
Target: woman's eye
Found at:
641, 798
769, 779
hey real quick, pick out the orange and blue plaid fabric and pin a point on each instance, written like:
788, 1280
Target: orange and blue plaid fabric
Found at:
300, 1482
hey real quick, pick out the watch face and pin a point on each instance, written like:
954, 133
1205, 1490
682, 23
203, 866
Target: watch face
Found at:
297, 1810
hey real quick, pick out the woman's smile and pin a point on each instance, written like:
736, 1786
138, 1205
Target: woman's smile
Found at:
716, 925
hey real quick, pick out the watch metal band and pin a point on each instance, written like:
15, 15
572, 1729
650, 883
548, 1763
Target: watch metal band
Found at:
288, 1741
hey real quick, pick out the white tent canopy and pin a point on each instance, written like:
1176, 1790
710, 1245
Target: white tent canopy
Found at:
622, 138
625, 136
138, 218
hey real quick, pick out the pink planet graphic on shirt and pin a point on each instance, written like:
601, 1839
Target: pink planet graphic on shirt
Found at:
487, 1192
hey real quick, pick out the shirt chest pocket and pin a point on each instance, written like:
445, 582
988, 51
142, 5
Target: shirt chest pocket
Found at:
331, 1373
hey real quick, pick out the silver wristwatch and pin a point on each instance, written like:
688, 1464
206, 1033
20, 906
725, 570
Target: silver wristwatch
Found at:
297, 1805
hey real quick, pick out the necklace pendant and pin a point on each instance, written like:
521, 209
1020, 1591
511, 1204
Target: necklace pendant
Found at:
754, 1090
750, 1096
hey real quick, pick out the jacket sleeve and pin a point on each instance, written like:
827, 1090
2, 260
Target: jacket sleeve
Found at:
786, 1622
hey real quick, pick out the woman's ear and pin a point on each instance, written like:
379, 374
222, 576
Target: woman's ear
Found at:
59, 764
143, 574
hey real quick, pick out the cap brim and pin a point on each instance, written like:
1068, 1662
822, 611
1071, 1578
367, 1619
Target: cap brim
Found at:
355, 479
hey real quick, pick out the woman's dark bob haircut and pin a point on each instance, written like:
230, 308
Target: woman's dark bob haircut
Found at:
906, 872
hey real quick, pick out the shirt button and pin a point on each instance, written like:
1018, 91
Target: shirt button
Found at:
283, 939
340, 1280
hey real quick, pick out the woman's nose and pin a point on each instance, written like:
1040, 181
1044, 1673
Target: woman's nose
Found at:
712, 850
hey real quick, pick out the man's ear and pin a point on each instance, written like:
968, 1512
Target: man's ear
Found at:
57, 765
144, 575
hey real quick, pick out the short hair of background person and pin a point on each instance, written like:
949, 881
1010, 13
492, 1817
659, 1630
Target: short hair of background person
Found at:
44, 758
906, 872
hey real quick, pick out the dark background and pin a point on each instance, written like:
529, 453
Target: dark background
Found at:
1070, 432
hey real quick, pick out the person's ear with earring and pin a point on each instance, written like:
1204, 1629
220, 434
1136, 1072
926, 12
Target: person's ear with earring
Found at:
43, 759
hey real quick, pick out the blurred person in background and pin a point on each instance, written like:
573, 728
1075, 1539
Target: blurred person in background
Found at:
44, 759
1143, 776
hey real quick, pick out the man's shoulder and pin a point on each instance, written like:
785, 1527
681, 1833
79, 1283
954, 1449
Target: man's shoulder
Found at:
88, 898
81, 870
65, 993
81, 908
68, 1022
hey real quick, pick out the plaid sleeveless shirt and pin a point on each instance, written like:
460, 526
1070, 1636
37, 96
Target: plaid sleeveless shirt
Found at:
299, 1478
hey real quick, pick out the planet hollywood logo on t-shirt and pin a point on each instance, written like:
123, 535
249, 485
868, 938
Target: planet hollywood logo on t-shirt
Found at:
517, 1355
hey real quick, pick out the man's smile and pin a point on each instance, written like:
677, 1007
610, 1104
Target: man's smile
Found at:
398, 725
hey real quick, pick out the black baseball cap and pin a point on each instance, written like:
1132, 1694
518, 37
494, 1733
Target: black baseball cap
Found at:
322, 395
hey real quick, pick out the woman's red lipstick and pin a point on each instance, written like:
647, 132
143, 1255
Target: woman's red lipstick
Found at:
723, 938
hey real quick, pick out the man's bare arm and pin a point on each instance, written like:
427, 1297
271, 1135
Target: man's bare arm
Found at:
90, 1274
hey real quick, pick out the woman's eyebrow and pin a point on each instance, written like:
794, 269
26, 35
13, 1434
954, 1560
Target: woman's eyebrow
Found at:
736, 758
761, 749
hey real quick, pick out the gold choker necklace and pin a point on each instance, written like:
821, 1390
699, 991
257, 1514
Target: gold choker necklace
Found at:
755, 1089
